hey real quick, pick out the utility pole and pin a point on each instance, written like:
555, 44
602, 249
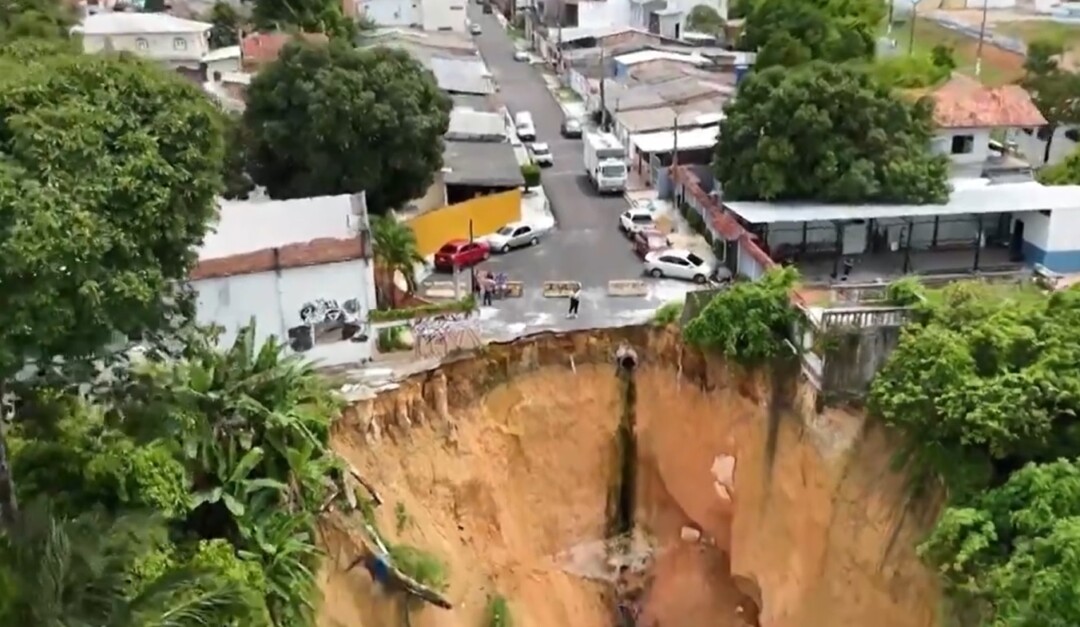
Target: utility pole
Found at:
558, 46
675, 144
603, 92
982, 35
914, 21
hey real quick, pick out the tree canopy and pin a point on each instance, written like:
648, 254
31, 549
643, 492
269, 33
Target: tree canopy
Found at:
828, 133
705, 19
307, 16
791, 32
335, 119
227, 22
914, 70
984, 384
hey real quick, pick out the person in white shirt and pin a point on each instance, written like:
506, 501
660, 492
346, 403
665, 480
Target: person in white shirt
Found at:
575, 301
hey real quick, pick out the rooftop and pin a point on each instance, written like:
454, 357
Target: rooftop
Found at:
462, 75
641, 56
679, 90
700, 112
476, 102
260, 48
969, 196
440, 40
570, 35
221, 54
481, 164
667, 141
290, 234
476, 125
123, 23
963, 102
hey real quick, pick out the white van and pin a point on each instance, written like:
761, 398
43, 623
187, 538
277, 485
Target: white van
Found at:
523, 122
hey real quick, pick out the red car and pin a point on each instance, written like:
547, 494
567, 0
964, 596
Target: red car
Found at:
461, 253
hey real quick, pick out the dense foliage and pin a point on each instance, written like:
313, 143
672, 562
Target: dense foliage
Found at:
748, 321
306, 16
335, 119
1053, 89
792, 32
828, 133
985, 385
222, 460
914, 70
705, 19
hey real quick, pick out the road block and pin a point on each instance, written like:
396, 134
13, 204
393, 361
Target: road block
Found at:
627, 287
443, 289
514, 289
560, 289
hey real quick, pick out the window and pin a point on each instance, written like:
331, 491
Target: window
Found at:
142, 44
179, 43
694, 259
962, 144
522, 231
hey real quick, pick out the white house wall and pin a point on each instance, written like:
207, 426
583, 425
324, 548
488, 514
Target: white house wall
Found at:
391, 12
185, 49
443, 15
595, 13
276, 300
942, 144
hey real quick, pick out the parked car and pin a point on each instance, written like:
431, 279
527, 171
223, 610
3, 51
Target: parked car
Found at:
461, 253
633, 220
523, 123
1073, 134
514, 235
475, 29
678, 264
541, 154
650, 240
521, 55
571, 128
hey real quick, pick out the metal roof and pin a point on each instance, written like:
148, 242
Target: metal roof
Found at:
481, 164
123, 23
470, 124
967, 197
462, 75
665, 141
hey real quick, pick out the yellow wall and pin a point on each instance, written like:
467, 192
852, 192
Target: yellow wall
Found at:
435, 228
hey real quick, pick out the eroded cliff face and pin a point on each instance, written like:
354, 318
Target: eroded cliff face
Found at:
503, 464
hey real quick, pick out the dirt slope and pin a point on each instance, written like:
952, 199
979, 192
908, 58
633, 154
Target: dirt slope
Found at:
503, 462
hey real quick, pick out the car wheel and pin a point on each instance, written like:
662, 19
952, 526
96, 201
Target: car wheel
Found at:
505, 248
534, 241
656, 273
699, 278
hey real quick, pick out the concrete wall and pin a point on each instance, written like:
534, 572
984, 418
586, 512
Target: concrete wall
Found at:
185, 49
391, 12
297, 305
487, 213
443, 15
853, 358
942, 144
1053, 241
592, 13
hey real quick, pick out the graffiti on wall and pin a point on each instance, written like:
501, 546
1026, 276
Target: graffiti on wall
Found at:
325, 321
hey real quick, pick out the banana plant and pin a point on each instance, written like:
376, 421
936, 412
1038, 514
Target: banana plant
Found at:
236, 486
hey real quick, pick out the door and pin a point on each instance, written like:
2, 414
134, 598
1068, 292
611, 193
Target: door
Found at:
521, 236
1016, 242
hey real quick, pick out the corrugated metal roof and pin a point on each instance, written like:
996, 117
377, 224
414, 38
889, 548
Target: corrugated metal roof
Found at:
469, 124
463, 75
481, 164
967, 197
123, 23
665, 141
642, 56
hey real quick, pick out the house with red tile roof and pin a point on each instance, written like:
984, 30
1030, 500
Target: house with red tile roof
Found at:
258, 49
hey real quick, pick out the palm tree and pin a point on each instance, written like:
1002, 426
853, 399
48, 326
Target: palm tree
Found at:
77, 572
395, 249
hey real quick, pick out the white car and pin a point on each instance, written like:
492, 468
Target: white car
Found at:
541, 154
678, 264
521, 55
523, 123
633, 220
514, 235
475, 29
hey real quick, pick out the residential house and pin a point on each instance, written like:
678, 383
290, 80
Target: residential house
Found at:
300, 269
171, 40
966, 112
259, 49
666, 18
669, 17
225, 60
428, 15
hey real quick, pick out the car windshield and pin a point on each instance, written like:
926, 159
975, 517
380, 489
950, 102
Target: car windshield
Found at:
641, 218
613, 171
449, 249
506, 230
694, 259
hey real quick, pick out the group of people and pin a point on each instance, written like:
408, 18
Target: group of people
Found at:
486, 285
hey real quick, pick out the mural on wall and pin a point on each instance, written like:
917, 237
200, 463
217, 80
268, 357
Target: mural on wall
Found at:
325, 321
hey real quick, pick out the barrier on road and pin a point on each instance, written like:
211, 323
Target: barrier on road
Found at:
443, 289
560, 289
514, 289
628, 287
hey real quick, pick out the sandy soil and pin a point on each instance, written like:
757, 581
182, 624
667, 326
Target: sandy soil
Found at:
503, 463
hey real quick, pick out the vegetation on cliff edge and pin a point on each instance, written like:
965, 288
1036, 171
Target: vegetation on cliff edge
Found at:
985, 384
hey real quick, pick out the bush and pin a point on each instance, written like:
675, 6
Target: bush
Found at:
668, 313
531, 173
748, 321
905, 292
390, 340
423, 567
497, 613
392, 315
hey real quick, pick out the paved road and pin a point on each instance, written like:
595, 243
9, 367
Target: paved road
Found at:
587, 246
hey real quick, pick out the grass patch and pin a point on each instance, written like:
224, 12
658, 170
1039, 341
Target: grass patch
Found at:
390, 340
1066, 35
392, 315
497, 612
567, 95
668, 313
402, 520
998, 66
422, 566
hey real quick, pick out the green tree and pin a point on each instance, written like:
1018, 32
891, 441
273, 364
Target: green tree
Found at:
748, 321
828, 133
1066, 172
911, 71
308, 16
705, 19
238, 183
1057, 95
395, 249
335, 119
108, 183
70, 572
786, 31
1042, 57
227, 22
531, 173
35, 19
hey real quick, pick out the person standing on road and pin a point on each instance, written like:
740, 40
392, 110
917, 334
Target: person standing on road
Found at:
575, 301
488, 287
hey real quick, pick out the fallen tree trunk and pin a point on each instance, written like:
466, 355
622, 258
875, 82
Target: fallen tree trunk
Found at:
387, 574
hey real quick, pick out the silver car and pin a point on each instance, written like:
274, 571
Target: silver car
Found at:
514, 235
